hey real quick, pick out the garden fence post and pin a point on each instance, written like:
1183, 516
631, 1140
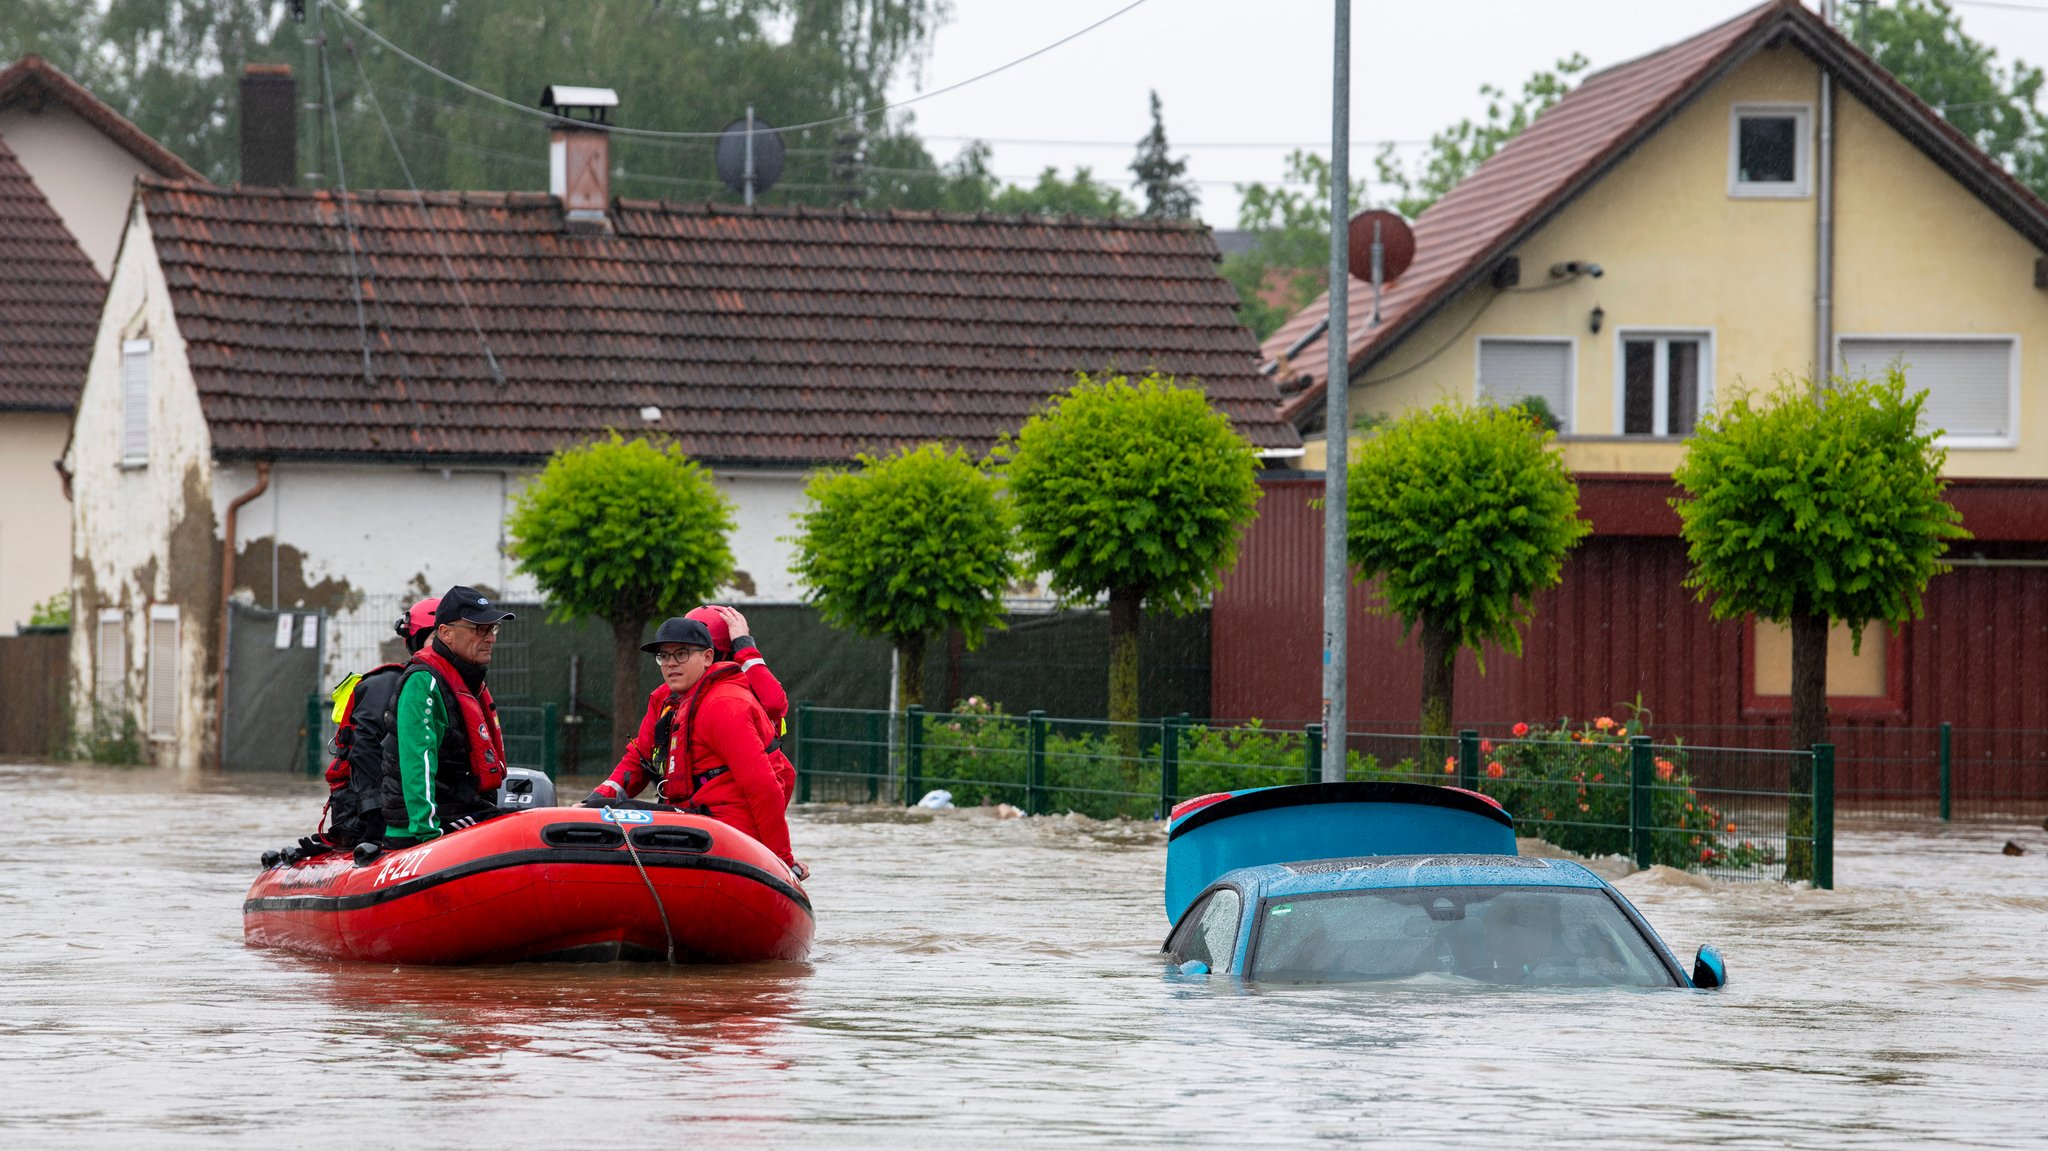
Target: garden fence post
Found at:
1642, 782
1824, 816
1946, 780
797, 753
1312, 748
550, 717
876, 746
1034, 764
1468, 759
913, 754
1169, 764
313, 734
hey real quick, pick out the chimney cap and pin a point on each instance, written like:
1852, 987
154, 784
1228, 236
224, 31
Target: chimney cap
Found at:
563, 99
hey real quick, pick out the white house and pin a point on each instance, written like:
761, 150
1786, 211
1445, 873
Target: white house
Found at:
68, 165
361, 384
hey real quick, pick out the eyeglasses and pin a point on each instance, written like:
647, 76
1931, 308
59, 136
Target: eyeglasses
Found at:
483, 630
665, 658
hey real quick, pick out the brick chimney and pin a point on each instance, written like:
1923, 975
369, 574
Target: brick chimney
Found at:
270, 126
579, 155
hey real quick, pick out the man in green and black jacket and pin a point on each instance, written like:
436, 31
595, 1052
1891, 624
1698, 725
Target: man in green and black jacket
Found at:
446, 753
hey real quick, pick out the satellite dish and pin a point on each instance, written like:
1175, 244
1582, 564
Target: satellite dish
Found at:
732, 156
1397, 244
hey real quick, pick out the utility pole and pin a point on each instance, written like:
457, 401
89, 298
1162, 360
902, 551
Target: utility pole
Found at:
309, 146
750, 156
1337, 409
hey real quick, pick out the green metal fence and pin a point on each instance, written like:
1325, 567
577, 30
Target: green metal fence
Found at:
1733, 812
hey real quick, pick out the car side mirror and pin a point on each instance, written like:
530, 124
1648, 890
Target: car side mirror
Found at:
1709, 969
1193, 967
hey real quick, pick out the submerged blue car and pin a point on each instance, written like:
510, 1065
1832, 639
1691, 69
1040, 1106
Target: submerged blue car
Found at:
1366, 882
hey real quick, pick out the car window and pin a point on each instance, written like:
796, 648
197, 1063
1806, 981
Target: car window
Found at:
1209, 932
1531, 936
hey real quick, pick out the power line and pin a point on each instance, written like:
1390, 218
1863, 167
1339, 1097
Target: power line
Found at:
646, 132
2006, 5
1184, 144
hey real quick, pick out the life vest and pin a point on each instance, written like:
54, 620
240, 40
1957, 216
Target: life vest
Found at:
664, 764
481, 737
354, 810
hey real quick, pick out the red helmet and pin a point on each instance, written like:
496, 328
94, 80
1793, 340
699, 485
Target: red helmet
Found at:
420, 616
721, 635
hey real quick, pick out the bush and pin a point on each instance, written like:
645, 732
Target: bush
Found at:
1570, 787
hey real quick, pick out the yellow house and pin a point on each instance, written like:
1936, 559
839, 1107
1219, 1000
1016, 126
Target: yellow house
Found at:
1728, 212
1706, 218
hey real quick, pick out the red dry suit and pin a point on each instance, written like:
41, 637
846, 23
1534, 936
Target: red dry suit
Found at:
708, 749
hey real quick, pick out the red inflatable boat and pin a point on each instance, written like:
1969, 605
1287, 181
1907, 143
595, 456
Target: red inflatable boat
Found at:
553, 883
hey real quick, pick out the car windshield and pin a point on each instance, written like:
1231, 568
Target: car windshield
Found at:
1530, 936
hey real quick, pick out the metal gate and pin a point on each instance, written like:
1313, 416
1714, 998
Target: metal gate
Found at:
274, 663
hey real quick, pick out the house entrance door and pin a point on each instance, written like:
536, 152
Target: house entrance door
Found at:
274, 663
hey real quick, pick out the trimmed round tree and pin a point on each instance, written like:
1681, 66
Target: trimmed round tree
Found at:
1810, 507
913, 543
1138, 491
1463, 514
625, 531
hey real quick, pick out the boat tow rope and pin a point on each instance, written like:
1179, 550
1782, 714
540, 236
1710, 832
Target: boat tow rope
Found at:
658, 905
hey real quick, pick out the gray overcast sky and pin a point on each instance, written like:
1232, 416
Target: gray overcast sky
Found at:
1235, 72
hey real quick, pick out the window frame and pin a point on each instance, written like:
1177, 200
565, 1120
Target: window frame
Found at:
1801, 186
129, 350
162, 613
1570, 416
1190, 925
1660, 414
1890, 705
109, 680
2012, 378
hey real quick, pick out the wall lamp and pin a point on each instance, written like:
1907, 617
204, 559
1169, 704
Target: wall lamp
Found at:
1596, 319
1576, 268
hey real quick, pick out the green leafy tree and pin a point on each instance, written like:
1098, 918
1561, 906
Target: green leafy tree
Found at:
1288, 264
625, 531
910, 544
1922, 43
1812, 507
1169, 195
1463, 514
1139, 491
1457, 151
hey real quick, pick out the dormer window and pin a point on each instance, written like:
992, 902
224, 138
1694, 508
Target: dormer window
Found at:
1768, 150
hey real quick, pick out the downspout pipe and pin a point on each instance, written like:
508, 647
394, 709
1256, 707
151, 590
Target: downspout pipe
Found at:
1824, 256
227, 590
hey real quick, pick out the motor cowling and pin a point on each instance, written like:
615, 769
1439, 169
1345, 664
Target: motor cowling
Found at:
524, 789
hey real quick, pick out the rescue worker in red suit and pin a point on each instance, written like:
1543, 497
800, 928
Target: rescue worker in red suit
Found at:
704, 742
731, 640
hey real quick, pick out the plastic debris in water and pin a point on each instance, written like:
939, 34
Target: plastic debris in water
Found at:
938, 799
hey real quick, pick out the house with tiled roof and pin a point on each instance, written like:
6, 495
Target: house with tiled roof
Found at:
351, 389
1723, 213
68, 165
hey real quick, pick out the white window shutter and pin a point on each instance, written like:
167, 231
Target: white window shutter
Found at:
108, 662
134, 401
163, 671
1511, 370
1968, 381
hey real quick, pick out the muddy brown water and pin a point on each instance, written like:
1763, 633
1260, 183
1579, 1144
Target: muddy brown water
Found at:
978, 980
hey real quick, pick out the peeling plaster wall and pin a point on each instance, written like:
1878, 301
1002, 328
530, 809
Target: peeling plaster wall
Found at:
765, 507
145, 535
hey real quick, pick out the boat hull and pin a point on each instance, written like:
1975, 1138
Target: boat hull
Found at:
553, 883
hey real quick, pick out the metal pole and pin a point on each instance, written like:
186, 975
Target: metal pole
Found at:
1337, 407
1468, 759
1824, 816
1947, 782
1034, 764
802, 755
1641, 812
1312, 741
750, 178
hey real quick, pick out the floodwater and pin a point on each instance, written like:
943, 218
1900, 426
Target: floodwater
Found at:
978, 980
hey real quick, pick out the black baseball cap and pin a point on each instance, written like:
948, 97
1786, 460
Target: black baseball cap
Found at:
467, 605
678, 630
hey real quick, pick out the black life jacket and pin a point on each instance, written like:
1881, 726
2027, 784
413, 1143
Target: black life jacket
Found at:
355, 773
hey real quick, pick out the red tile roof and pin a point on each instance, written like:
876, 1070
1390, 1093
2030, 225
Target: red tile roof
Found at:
49, 299
764, 336
33, 81
1463, 236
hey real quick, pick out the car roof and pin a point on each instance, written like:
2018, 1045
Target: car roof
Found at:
1321, 876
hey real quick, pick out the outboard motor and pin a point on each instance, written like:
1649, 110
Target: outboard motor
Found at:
525, 788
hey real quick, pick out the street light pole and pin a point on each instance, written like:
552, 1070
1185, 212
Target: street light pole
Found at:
1337, 407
